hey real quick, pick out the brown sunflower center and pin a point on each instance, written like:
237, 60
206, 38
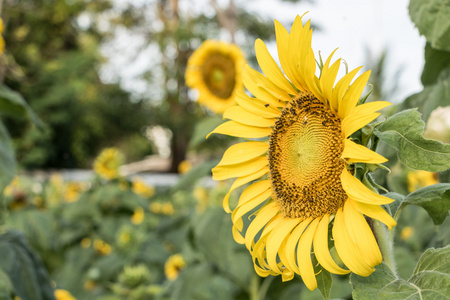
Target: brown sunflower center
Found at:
219, 75
304, 159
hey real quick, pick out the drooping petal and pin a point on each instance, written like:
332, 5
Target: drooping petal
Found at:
239, 130
361, 234
270, 67
291, 245
346, 249
262, 218
240, 182
321, 248
375, 212
239, 170
357, 191
304, 255
240, 115
354, 152
361, 116
250, 204
254, 190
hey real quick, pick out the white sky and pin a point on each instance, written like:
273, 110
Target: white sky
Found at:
350, 25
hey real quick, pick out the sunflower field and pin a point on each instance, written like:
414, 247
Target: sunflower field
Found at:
196, 150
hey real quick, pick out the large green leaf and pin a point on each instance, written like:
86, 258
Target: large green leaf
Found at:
12, 103
435, 62
7, 158
26, 271
404, 132
430, 280
432, 19
435, 199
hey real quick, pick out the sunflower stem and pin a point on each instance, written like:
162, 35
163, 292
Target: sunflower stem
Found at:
254, 288
385, 243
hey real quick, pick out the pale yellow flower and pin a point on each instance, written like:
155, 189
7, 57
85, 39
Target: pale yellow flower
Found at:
184, 167
167, 208
406, 232
107, 164
138, 216
2, 41
73, 191
102, 247
173, 266
420, 179
85, 243
155, 207
63, 295
140, 188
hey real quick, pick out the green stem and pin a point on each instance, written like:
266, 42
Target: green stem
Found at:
254, 287
384, 242
265, 287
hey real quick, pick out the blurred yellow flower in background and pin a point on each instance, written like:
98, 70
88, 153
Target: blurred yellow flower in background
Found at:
201, 195
173, 266
167, 208
107, 164
102, 247
140, 188
155, 207
138, 216
85, 243
2, 41
420, 179
63, 295
215, 70
406, 232
438, 125
73, 191
184, 167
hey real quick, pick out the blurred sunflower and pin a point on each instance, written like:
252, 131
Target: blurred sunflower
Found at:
63, 295
107, 164
2, 41
140, 188
138, 216
173, 266
102, 247
420, 179
215, 70
303, 163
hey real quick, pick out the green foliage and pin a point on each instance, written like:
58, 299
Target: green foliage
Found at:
431, 18
24, 268
429, 280
7, 158
435, 62
404, 132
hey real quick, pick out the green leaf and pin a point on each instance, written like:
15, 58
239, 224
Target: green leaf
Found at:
26, 271
203, 128
324, 282
431, 18
435, 62
393, 207
435, 199
7, 158
404, 132
430, 280
12, 103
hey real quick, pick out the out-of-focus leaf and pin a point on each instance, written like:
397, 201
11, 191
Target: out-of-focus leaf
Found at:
432, 96
435, 199
12, 103
26, 271
430, 280
393, 207
203, 128
431, 18
187, 181
6, 287
404, 132
7, 158
435, 62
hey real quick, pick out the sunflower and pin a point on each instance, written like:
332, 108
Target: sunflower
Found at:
300, 158
173, 266
63, 295
107, 164
215, 70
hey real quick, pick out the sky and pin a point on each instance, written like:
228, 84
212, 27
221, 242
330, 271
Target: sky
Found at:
353, 26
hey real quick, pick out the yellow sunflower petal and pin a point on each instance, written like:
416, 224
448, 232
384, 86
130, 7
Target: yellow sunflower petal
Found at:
249, 205
262, 82
341, 87
257, 90
292, 243
274, 240
236, 231
327, 79
304, 255
240, 115
356, 190
321, 248
239, 130
241, 152
361, 234
262, 218
375, 212
270, 67
257, 107
346, 249
361, 116
353, 94
239, 170
240, 182
254, 190
354, 152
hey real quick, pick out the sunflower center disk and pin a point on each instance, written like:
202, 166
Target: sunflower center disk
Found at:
304, 159
219, 73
